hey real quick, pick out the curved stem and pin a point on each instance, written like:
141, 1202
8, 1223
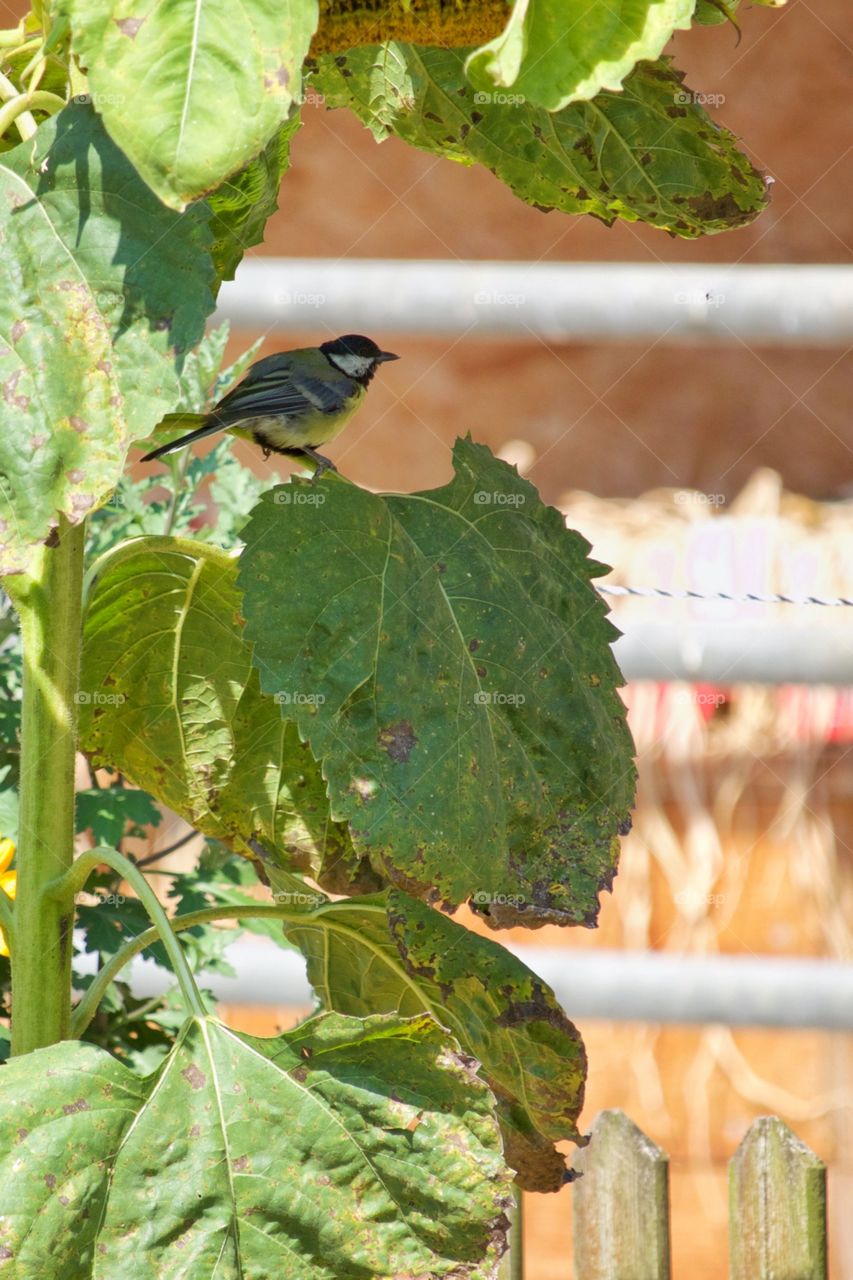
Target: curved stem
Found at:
85, 1011
66, 886
12, 37
35, 42
24, 123
15, 111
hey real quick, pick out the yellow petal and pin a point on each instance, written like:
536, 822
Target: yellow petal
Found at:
8, 882
7, 852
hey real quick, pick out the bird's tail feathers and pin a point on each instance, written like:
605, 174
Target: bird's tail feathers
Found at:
203, 426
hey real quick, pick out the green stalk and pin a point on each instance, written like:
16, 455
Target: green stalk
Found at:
66, 886
88, 1006
48, 602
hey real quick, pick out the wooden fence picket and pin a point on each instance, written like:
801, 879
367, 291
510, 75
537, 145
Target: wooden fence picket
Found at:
777, 1207
621, 1204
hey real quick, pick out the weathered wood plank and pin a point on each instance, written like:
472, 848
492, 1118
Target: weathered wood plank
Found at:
621, 1204
777, 1207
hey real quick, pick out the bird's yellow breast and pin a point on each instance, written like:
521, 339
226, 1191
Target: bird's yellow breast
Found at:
312, 429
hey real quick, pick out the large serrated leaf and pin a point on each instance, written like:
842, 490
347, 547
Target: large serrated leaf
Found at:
553, 52
646, 154
169, 696
392, 954
102, 289
192, 90
447, 658
338, 1151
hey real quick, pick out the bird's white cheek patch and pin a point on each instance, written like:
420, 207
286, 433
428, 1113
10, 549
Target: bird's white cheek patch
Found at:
353, 366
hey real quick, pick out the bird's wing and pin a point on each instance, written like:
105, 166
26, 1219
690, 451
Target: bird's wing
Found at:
289, 392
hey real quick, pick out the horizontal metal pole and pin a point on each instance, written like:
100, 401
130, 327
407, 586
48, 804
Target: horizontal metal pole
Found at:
619, 986
774, 652
562, 302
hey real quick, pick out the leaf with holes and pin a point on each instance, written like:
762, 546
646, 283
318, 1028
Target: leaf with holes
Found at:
102, 290
447, 659
646, 154
192, 91
342, 1149
392, 954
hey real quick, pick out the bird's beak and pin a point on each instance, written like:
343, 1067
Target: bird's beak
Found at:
386, 355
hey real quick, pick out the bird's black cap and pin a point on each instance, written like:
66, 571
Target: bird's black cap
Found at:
355, 344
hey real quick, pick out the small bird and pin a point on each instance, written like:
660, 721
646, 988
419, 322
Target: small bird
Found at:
290, 402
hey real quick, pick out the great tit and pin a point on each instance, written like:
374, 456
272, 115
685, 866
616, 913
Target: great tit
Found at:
290, 402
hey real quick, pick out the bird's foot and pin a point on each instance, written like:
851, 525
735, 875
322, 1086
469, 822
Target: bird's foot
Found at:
321, 464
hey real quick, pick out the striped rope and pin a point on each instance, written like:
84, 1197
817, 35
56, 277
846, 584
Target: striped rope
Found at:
752, 597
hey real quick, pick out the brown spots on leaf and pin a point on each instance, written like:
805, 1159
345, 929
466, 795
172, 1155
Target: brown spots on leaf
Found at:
242, 1165
398, 740
481, 672
476, 117
79, 424
81, 503
71, 1108
50, 1180
10, 391
280, 80
724, 208
299, 1074
19, 328
129, 26
194, 1076
674, 111
75, 476
473, 645
441, 567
